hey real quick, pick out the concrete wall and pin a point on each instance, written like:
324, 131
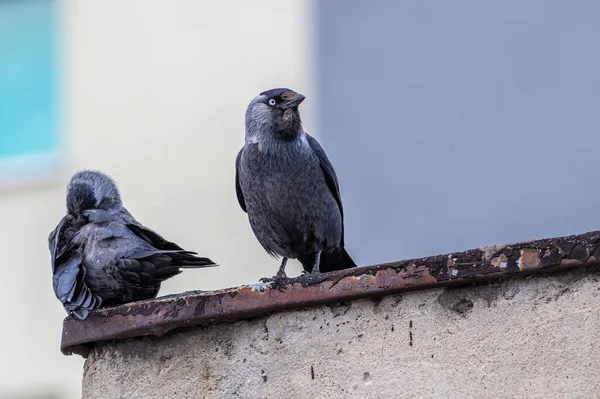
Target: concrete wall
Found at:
531, 338
154, 93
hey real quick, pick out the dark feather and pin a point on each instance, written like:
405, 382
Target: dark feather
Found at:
238, 187
330, 176
337, 260
64, 278
125, 262
152, 238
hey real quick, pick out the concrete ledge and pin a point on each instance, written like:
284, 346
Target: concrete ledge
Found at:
159, 316
536, 337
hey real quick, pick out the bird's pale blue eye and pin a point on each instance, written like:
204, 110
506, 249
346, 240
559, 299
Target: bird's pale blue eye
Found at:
272, 102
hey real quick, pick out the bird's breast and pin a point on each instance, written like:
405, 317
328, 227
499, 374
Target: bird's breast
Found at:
289, 186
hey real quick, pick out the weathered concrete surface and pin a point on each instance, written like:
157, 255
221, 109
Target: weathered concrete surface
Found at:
532, 338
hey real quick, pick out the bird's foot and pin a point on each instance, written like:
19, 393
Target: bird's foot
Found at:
280, 273
278, 277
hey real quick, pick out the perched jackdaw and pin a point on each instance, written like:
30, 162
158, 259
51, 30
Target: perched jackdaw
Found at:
288, 187
102, 255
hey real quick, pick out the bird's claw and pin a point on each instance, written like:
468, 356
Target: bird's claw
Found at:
277, 277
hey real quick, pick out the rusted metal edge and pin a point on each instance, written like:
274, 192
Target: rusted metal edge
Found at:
159, 316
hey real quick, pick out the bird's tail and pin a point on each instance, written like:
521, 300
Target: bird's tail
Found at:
337, 260
187, 259
176, 258
168, 263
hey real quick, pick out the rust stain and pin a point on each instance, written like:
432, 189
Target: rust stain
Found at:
529, 259
162, 315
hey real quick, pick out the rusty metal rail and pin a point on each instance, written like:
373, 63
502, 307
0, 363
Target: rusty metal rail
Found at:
159, 316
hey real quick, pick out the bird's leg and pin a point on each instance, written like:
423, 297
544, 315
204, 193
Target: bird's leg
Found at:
315, 269
281, 272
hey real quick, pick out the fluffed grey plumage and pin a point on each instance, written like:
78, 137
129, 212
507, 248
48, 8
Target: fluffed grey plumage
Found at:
288, 187
101, 255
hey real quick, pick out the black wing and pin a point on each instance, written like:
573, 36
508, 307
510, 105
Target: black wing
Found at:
167, 253
238, 188
161, 249
153, 238
124, 218
53, 243
68, 272
330, 176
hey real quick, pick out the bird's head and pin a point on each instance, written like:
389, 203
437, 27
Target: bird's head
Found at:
90, 189
274, 112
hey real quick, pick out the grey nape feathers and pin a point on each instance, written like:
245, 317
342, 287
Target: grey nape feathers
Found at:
288, 187
101, 255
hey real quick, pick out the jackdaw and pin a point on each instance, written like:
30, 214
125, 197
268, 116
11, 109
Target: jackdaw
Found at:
101, 255
288, 187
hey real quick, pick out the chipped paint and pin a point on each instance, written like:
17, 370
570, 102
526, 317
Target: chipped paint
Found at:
159, 316
500, 261
490, 250
259, 287
529, 259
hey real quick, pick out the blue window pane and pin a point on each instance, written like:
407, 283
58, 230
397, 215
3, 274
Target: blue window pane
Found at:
27, 78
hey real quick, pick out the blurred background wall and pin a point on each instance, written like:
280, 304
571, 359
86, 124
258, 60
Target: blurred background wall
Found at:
459, 124
450, 125
153, 93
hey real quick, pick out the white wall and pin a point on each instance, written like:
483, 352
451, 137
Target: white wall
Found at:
154, 94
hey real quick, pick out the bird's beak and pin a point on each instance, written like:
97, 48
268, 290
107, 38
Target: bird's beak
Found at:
292, 99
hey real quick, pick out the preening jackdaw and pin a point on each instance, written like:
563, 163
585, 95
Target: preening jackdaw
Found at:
288, 187
101, 255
